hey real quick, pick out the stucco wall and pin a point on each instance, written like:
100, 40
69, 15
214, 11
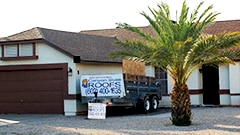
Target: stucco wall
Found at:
225, 99
234, 80
224, 77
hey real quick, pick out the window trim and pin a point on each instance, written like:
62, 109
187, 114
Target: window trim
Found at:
34, 56
164, 91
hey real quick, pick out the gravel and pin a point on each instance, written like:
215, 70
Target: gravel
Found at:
206, 121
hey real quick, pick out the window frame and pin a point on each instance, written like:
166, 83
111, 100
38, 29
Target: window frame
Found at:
19, 57
161, 80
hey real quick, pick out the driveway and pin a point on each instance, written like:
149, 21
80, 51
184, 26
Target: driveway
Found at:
206, 121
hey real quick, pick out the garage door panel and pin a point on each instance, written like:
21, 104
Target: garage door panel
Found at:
51, 96
31, 85
31, 96
9, 97
52, 74
38, 89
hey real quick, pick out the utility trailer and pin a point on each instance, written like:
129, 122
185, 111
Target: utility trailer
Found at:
121, 90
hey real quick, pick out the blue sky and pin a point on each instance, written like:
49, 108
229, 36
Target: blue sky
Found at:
77, 15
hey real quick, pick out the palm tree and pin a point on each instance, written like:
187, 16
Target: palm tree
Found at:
179, 48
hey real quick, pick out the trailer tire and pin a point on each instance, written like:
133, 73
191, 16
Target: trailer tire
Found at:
146, 105
154, 103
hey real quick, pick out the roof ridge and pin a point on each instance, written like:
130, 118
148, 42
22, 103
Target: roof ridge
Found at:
67, 32
110, 29
40, 31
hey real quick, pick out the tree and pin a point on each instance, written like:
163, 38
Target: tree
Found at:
179, 48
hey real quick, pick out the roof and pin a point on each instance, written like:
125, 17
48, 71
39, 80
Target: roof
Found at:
222, 26
122, 34
25, 35
119, 33
88, 47
96, 45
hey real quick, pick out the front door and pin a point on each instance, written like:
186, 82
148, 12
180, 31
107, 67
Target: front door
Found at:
210, 85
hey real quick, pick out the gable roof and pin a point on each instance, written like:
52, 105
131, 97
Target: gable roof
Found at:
89, 47
122, 34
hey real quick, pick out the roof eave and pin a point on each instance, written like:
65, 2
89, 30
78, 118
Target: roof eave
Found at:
98, 62
21, 41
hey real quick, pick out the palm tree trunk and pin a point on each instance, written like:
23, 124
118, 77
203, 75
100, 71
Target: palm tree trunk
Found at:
180, 103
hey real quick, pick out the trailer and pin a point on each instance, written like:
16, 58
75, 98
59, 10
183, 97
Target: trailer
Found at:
140, 92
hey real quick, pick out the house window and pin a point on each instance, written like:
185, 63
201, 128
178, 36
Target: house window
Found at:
26, 50
10, 51
161, 76
19, 51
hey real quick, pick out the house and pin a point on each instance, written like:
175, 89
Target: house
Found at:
207, 86
40, 70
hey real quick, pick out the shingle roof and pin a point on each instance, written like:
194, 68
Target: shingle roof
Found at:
31, 34
222, 26
96, 45
88, 47
122, 34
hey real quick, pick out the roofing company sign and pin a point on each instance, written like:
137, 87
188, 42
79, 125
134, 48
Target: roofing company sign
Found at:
104, 85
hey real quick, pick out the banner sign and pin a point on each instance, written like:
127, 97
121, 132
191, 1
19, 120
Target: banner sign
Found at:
104, 85
96, 111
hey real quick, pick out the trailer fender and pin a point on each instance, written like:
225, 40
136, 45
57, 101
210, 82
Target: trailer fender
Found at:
142, 96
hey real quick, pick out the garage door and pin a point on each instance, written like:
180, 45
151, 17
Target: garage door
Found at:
32, 89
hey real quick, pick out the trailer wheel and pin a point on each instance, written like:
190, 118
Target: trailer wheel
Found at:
154, 103
146, 105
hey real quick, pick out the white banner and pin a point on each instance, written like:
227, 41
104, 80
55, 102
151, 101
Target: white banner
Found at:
96, 111
104, 85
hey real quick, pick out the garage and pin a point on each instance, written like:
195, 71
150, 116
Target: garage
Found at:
33, 89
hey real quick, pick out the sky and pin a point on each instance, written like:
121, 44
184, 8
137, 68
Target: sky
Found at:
79, 15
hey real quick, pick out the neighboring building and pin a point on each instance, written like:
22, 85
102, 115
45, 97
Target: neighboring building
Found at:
40, 70
207, 86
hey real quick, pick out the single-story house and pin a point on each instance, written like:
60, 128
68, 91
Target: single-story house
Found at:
40, 70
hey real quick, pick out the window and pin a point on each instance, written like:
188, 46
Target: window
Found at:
161, 76
11, 51
19, 51
26, 50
